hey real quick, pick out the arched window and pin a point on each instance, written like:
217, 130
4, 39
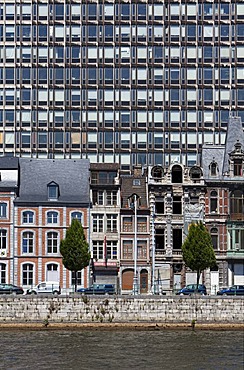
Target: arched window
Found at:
2, 273
77, 215
27, 274
3, 210
28, 217
213, 201
195, 173
157, 172
177, 174
215, 237
27, 242
52, 217
52, 242
213, 169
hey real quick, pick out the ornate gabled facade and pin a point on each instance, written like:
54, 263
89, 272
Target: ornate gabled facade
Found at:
176, 196
223, 168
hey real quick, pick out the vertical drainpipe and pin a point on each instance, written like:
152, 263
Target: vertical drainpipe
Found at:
13, 249
89, 241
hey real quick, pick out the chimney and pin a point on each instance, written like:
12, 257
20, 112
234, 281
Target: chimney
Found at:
138, 170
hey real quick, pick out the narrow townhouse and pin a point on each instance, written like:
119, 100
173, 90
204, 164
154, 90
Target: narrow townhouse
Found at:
51, 194
135, 267
105, 223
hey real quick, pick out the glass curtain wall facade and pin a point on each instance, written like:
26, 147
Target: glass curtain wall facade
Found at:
119, 81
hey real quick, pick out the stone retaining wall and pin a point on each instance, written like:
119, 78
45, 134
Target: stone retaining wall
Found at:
121, 310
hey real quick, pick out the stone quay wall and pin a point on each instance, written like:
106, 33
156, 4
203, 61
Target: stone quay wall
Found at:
85, 309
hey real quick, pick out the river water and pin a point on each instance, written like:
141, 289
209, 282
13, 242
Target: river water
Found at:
128, 349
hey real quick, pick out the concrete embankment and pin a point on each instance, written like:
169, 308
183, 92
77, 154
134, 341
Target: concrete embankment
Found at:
121, 312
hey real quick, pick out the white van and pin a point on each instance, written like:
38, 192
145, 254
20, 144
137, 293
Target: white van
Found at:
45, 287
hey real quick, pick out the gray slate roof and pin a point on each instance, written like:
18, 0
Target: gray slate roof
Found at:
72, 177
234, 133
9, 163
220, 153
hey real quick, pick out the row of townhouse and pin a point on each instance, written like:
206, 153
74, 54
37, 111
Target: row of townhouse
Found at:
135, 223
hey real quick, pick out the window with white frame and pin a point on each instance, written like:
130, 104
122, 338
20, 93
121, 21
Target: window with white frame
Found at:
52, 217
52, 191
97, 223
2, 273
3, 239
27, 242
3, 210
52, 242
28, 217
77, 215
98, 248
112, 250
27, 274
112, 223
78, 277
97, 196
111, 197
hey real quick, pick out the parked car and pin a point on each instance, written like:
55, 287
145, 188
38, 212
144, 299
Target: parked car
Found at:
45, 287
10, 289
192, 288
234, 290
98, 289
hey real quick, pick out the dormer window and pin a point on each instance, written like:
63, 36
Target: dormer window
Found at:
213, 169
157, 172
237, 167
53, 192
136, 182
195, 173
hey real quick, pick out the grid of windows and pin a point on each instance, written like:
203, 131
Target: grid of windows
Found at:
158, 78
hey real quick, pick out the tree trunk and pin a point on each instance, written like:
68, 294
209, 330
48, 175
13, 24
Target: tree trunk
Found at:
75, 281
198, 278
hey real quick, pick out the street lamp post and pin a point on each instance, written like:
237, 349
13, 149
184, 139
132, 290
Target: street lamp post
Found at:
153, 250
135, 278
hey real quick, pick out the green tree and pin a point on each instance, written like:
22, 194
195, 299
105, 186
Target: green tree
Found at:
197, 249
74, 249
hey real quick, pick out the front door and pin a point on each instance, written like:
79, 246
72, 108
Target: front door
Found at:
52, 272
144, 282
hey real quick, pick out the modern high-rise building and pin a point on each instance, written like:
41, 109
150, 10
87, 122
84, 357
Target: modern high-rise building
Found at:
126, 81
